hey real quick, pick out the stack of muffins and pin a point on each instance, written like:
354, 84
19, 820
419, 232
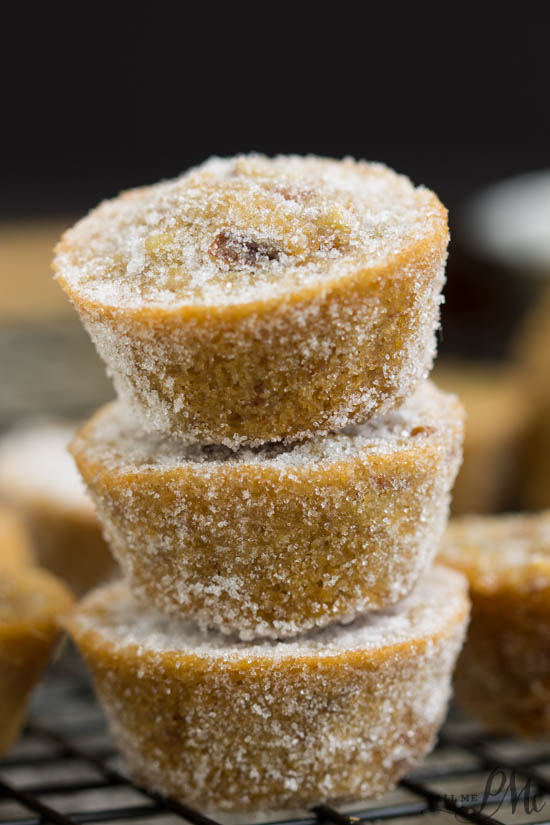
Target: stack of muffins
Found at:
274, 479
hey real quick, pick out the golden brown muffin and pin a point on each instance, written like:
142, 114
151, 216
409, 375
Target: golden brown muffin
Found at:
533, 349
278, 539
31, 602
503, 675
256, 299
14, 541
338, 714
38, 477
498, 415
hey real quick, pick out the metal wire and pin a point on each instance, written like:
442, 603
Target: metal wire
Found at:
65, 771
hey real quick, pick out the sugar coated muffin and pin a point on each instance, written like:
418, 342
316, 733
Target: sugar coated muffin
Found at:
38, 477
31, 602
278, 539
498, 416
503, 675
338, 714
15, 546
256, 299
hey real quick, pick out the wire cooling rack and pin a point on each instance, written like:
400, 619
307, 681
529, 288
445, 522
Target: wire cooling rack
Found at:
65, 770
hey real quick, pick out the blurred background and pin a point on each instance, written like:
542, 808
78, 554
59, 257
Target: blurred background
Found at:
457, 102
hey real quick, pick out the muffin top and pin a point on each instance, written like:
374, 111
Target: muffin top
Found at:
112, 612
245, 229
112, 439
500, 551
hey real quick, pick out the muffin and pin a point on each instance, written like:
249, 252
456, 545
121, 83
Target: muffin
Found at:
38, 477
338, 714
276, 540
503, 675
256, 299
31, 602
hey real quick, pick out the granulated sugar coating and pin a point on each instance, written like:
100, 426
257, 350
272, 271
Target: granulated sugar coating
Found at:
31, 602
279, 539
340, 714
39, 478
257, 299
244, 229
503, 676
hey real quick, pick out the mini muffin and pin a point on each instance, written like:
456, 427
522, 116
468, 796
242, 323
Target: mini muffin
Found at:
14, 541
503, 675
278, 539
498, 415
38, 477
256, 299
31, 602
338, 714
533, 349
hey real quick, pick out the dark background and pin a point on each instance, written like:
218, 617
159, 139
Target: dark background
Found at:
454, 98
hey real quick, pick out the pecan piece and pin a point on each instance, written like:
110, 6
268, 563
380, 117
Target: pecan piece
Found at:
293, 193
422, 431
237, 250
